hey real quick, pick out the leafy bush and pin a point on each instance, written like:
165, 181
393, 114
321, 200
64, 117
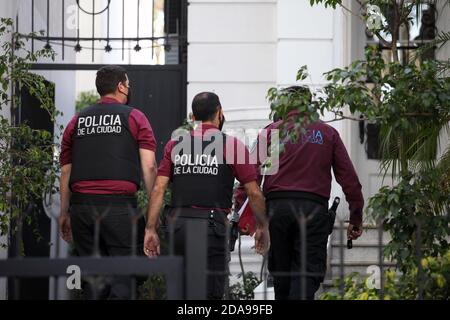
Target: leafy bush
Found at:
154, 288
244, 290
414, 212
85, 99
28, 168
434, 281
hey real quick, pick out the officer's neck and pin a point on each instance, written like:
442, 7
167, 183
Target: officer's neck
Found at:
114, 96
210, 123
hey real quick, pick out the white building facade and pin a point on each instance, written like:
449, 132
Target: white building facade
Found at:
239, 49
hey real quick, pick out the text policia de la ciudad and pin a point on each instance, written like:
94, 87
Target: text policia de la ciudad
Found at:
99, 124
196, 164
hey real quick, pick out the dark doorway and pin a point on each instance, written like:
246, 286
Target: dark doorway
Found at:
160, 92
33, 240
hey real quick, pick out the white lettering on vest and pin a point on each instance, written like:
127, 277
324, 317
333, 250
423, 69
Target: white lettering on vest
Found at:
196, 164
99, 124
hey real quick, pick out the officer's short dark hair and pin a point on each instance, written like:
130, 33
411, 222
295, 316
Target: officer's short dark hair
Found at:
108, 77
301, 90
205, 105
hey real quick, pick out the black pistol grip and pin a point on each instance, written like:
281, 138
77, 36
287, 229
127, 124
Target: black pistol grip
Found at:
335, 204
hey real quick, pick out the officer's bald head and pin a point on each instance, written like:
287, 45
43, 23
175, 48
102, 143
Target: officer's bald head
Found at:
205, 106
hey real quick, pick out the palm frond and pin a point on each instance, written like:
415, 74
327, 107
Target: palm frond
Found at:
423, 148
419, 145
441, 40
389, 151
444, 161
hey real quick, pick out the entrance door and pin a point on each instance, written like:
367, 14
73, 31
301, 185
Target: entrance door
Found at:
160, 92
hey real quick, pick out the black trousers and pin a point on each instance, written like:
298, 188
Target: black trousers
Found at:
217, 254
116, 216
291, 248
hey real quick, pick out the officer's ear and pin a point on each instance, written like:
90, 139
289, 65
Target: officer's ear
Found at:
220, 114
121, 87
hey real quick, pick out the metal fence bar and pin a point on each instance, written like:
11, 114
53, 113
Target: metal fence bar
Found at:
174, 282
90, 266
227, 262
381, 258
135, 215
195, 255
341, 256
303, 255
418, 247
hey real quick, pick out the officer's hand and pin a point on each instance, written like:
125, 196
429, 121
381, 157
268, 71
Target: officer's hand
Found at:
262, 240
65, 228
151, 243
354, 232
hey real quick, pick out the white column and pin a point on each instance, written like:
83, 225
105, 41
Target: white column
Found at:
7, 9
232, 51
443, 53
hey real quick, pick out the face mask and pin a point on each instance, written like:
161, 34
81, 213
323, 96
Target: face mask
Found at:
222, 121
127, 102
128, 97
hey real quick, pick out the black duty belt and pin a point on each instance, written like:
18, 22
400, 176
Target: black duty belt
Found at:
117, 200
297, 195
195, 213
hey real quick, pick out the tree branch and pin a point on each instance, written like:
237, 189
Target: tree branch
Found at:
349, 11
339, 117
383, 40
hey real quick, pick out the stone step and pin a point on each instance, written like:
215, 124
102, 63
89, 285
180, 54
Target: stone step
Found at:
366, 253
350, 267
369, 236
249, 266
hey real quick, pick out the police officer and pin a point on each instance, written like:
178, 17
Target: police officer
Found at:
202, 180
299, 193
106, 148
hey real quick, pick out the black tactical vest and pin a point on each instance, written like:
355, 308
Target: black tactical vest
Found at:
103, 146
201, 177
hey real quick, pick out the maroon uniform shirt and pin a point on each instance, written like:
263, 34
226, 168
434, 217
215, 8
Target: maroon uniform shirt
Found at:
306, 166
141, 131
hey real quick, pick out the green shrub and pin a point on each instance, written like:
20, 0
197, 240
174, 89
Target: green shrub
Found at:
85, 99
243, 290
434, 281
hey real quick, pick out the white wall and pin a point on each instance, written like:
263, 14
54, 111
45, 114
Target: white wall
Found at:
239, 49
232, 51
443, 53
443, 25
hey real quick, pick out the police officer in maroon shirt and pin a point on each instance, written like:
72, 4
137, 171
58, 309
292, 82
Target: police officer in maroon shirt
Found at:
202, 184
105, 151
300, 191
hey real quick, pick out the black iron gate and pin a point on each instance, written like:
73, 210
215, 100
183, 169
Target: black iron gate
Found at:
158, 90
